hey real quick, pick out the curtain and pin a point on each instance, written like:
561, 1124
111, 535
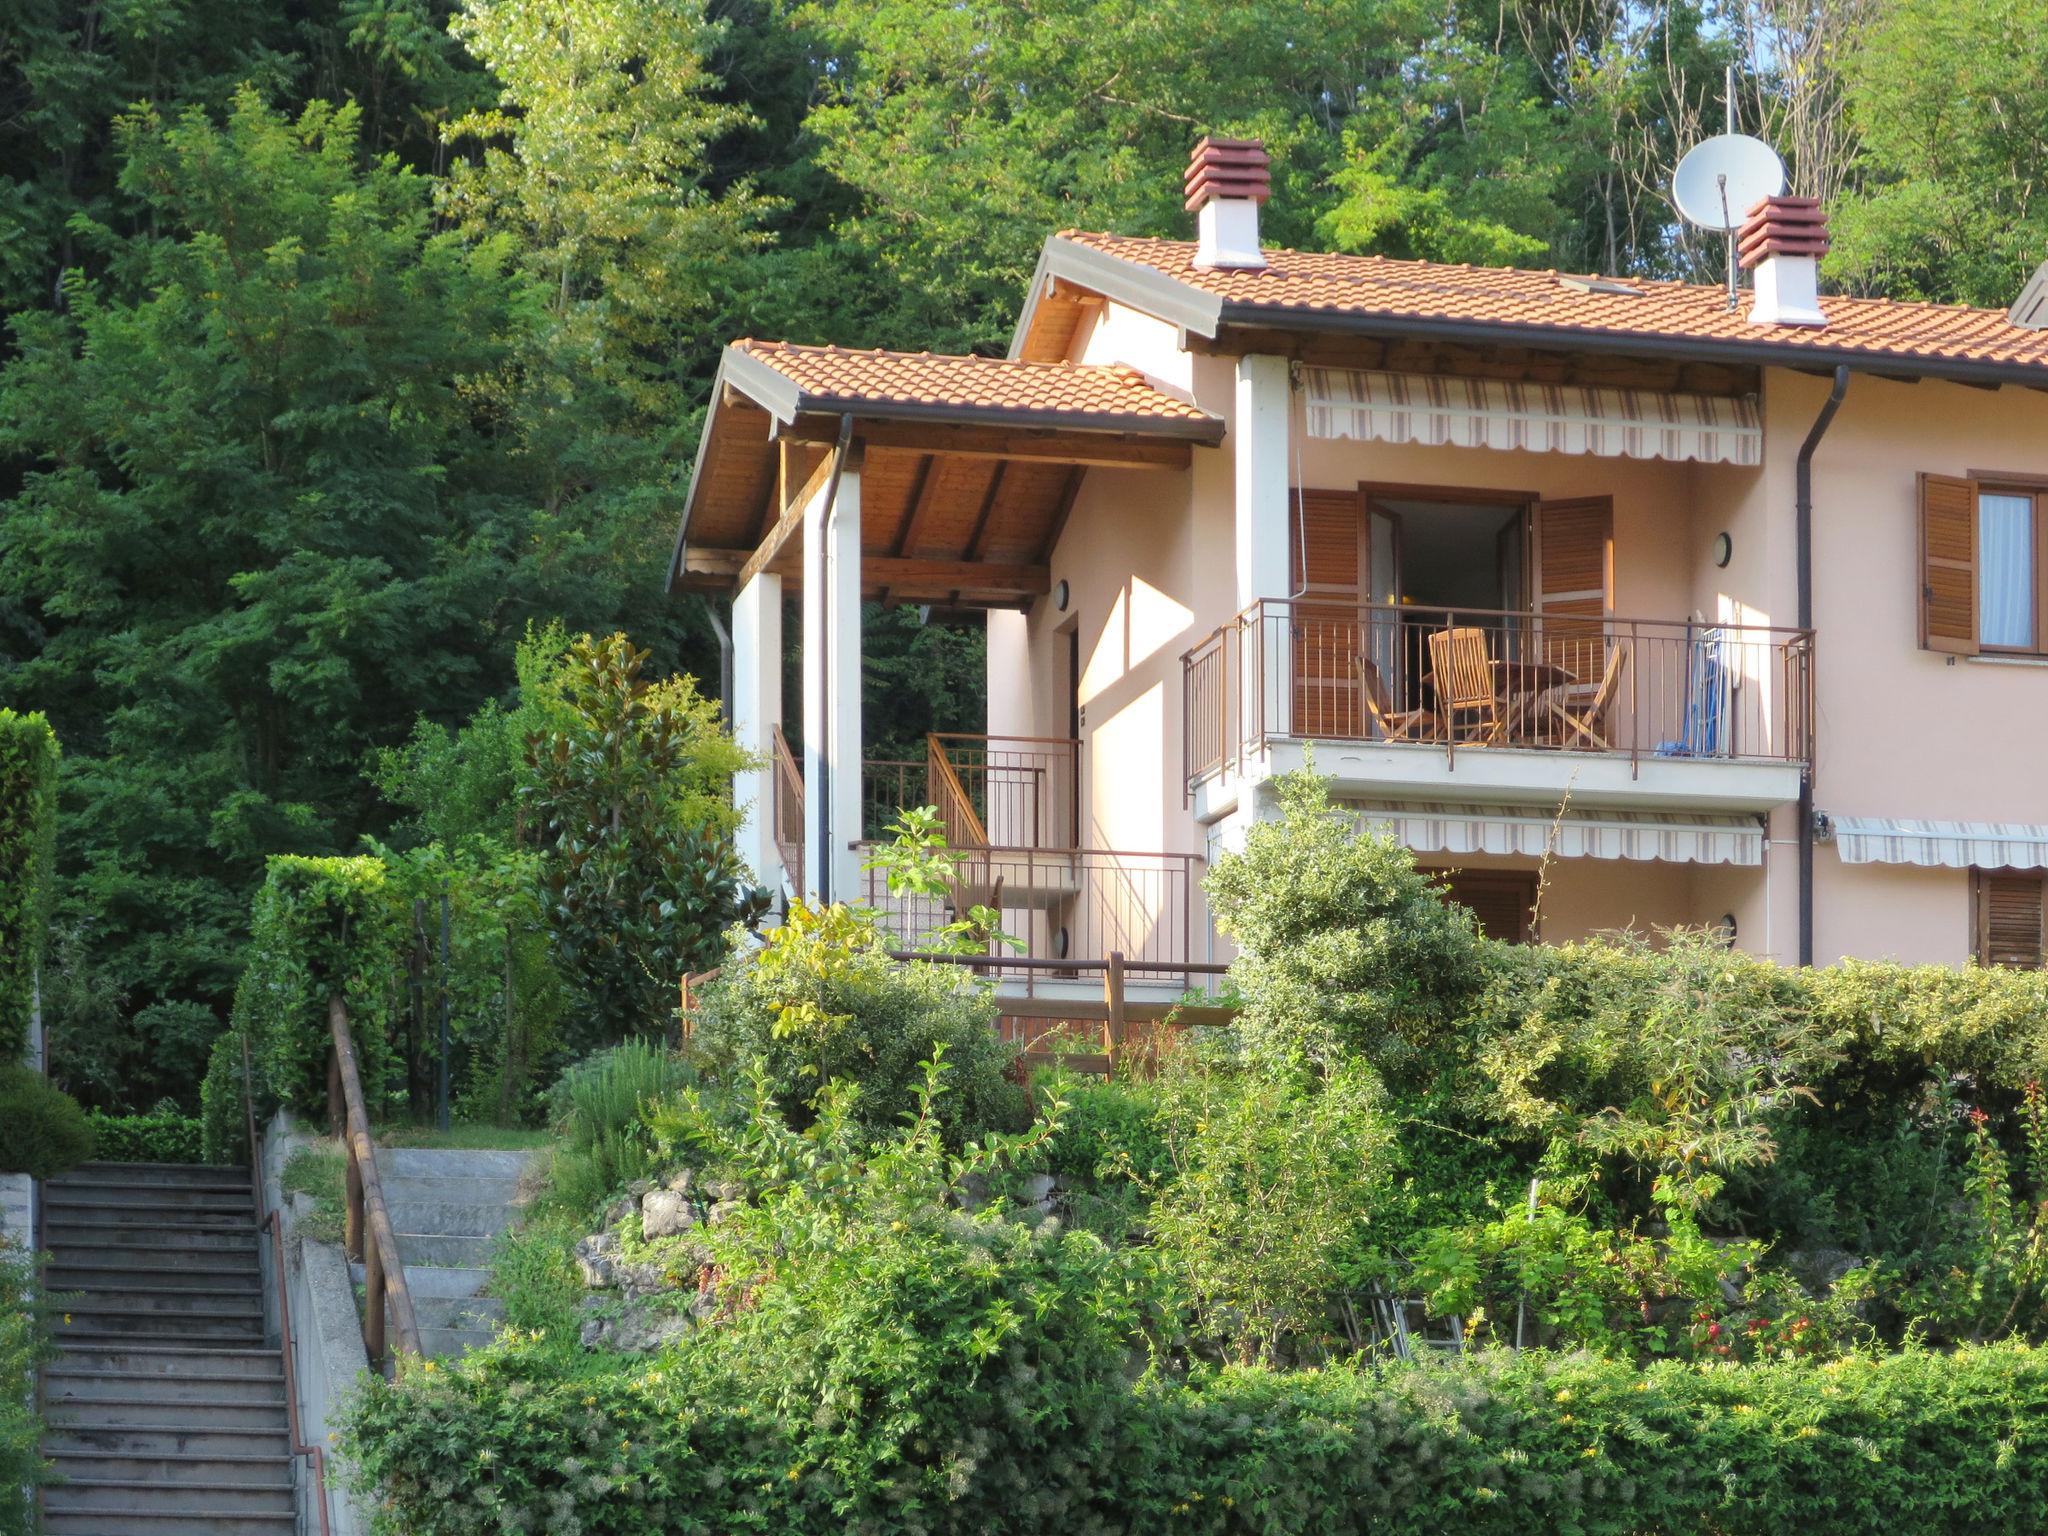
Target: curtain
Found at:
2005, 567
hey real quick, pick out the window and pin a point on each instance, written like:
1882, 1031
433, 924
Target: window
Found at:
1504, 900
2006, 912
1983, 566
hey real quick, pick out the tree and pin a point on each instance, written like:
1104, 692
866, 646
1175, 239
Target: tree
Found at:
629, 805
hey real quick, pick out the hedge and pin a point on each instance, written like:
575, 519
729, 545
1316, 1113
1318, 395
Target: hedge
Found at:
28, 833
162, 1136
523, 1437
43, 1132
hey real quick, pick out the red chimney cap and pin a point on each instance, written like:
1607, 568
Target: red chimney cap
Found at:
1218, 167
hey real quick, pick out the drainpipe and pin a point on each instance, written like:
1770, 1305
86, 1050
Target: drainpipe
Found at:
823, 788
1803, 537
724, 658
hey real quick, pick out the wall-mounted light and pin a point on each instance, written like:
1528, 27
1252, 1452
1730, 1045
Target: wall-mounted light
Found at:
1724, 550
1059, 944
1724, 930
1060, 594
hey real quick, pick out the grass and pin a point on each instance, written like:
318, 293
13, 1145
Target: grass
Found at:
534, 1275
464, 1138
320, 1170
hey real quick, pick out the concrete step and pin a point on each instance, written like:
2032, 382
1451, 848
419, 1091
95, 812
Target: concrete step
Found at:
150, 1196
430, 1252
119, 1240
171, 1173
171, 1361
109, 1433
446, 1163
139, 1403
448, 1218
118, 1521
443, 1342
434, 1279
484, 1312
85, 1320
170, 1300
174, 1469
233, 1277
143, 1494
142, 1228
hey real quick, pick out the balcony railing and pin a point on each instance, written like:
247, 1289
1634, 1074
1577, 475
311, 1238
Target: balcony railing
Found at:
1006, 791
789, 809
1452, 681
1067, 904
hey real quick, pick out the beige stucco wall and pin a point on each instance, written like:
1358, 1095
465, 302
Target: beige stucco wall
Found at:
1903, 732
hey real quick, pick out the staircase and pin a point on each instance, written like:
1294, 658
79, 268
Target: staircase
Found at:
165, 1411
447, 1209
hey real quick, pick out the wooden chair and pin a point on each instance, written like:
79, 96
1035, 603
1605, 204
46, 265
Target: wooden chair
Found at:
1585, 724
1393, 724
1465, 692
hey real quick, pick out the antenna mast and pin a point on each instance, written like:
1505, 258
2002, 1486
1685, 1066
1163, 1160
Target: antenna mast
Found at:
1727, 219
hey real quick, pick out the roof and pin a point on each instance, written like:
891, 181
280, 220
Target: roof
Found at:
1303, 290
928, 386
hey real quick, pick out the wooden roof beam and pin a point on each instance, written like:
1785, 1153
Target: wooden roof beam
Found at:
1051, 447
791, 519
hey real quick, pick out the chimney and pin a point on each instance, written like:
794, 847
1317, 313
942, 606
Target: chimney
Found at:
1782, 241
1226, 181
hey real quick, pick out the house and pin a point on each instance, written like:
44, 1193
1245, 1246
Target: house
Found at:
1704, 613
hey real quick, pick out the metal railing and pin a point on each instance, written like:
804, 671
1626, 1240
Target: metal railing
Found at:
315, 1454
1024, 791
1635, 688
369, 1237
888, 787
1067, 907
789, 809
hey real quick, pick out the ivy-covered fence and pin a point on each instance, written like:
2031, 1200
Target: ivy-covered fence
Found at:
28, 834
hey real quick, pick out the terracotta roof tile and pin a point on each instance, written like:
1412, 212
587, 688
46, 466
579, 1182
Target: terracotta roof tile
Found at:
1115, 397
1375, 286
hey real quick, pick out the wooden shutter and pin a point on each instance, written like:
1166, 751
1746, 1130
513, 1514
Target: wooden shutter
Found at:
1574, 585
1503, 900
1327, 536
2007, 913
1948, 564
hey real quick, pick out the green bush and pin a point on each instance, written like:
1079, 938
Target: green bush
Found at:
822, 1002
599, 1107
28, 832
42, 1129
164, 1135
1344, 948
223, 1124
24, 1347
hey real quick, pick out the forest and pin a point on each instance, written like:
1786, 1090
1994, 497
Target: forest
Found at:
348, 342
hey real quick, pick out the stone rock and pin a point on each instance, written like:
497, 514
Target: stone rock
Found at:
727, 1189
1036, 1189
679, 1181
634, 1328
723, 1212
639, 1187
664, 1213
593, 1259
620, 1209
972, 1193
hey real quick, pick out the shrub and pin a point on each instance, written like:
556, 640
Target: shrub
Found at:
319, 1171
42, 1129
1344, 948
823, 1002
1277, 1178
164, 1135
28, 832
599, 1107
223, 1124
24, 1347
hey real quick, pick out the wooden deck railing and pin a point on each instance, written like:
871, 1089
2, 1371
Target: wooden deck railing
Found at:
369, 1236
789, 809
1310, 669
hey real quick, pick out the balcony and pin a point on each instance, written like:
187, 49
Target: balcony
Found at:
1501, 706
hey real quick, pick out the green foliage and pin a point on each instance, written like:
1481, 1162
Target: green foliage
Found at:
823, 1002
1277, 1177
28, 832
42, 1129
532, 1273
319, 1171
600, 1107
323, 928
629, 806
916, 859
1344, 949
25, 1347
164, 1135
223, 1122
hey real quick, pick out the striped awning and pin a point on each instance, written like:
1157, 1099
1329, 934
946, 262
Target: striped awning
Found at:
1940, 844
1700, 839
1545, 418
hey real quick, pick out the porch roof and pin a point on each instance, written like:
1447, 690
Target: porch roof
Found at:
1308, 291
968, 464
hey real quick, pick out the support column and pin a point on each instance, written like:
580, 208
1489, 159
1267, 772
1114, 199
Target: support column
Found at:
1259, 429
756, 715
832, 716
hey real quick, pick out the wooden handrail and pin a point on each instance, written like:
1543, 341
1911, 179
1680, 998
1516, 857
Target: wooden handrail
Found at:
956, 810
787, 810
369, 1231
316, 1454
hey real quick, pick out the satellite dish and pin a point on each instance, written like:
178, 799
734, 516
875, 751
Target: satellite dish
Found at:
1722, 178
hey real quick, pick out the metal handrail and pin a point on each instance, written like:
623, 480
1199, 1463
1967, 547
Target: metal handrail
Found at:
316, 1454
369, 1234
956, 810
